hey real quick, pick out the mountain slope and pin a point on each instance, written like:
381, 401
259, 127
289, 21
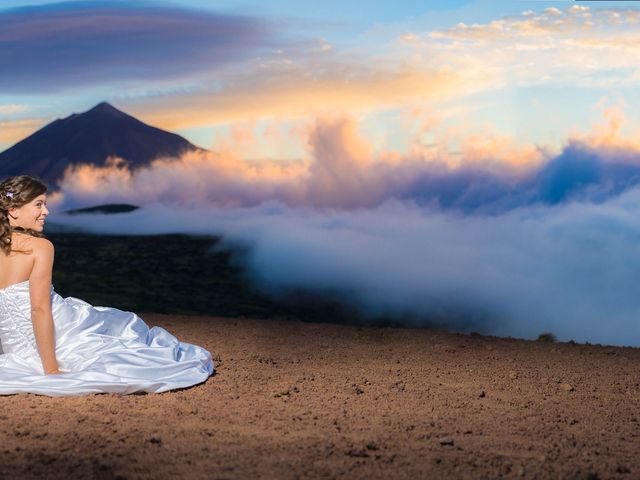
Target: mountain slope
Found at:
89, 138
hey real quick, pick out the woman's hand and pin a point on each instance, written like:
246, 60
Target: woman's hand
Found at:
54, 371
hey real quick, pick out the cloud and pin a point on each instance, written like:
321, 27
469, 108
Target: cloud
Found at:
571, 270
570, 48
487, 175
73, 44
531, 24
195, 179
342, 171
14, 125
12, 108
480, 245
181, 68
302, 87
10, 130
576, 46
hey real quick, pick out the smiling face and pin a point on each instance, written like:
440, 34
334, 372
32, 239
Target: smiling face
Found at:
30, 215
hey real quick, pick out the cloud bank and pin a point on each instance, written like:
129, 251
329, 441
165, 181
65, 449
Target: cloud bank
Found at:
343, 171
490, 247
572, 270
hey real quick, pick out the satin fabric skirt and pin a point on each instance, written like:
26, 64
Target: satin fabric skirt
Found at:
100, 350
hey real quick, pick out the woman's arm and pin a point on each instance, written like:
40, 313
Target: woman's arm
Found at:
40, 295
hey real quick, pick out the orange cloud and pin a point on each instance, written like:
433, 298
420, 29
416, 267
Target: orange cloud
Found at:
12, 131
342, 171
606, 136
571, 46
297, 93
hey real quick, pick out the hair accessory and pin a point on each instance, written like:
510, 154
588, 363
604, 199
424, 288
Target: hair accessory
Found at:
9, 194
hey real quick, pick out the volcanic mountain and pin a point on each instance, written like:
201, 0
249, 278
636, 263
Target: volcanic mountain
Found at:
89, 138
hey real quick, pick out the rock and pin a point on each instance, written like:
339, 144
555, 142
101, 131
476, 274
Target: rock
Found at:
446, 441
356, 452
566, 387
481, 394
623, 469
513, 375
399, 386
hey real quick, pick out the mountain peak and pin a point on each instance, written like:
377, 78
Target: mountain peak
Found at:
105, 107
90, 138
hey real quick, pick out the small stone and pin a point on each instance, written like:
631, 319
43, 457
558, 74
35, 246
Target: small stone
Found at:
157, 440
482, 394
623, 469
566, 387
446, 441
357, 452
513, 375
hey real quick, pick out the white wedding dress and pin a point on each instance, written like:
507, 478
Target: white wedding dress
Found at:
99, 350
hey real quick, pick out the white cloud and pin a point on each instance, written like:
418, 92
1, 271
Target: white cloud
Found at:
576, 46
571, 270
411, 235
13, 108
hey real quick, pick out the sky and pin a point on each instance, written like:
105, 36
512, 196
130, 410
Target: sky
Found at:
409, 72
474, 163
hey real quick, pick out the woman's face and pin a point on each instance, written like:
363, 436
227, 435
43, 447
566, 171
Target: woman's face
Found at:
30, 215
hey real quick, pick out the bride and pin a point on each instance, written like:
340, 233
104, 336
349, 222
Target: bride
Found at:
64, 346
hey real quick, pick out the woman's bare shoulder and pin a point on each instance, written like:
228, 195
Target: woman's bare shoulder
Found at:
24, 241
41, 246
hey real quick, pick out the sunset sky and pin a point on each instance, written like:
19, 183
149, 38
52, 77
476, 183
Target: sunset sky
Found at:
251, 77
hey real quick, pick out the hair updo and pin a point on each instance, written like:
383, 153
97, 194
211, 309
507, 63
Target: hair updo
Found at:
16, 192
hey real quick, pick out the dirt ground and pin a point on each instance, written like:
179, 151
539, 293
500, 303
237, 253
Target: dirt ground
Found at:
316, 400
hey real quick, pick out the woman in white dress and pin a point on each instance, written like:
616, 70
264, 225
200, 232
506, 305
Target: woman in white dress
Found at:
64, 346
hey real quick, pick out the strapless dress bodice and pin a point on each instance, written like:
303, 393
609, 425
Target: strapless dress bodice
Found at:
16, 329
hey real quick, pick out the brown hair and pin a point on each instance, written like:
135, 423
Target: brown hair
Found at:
16, 192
